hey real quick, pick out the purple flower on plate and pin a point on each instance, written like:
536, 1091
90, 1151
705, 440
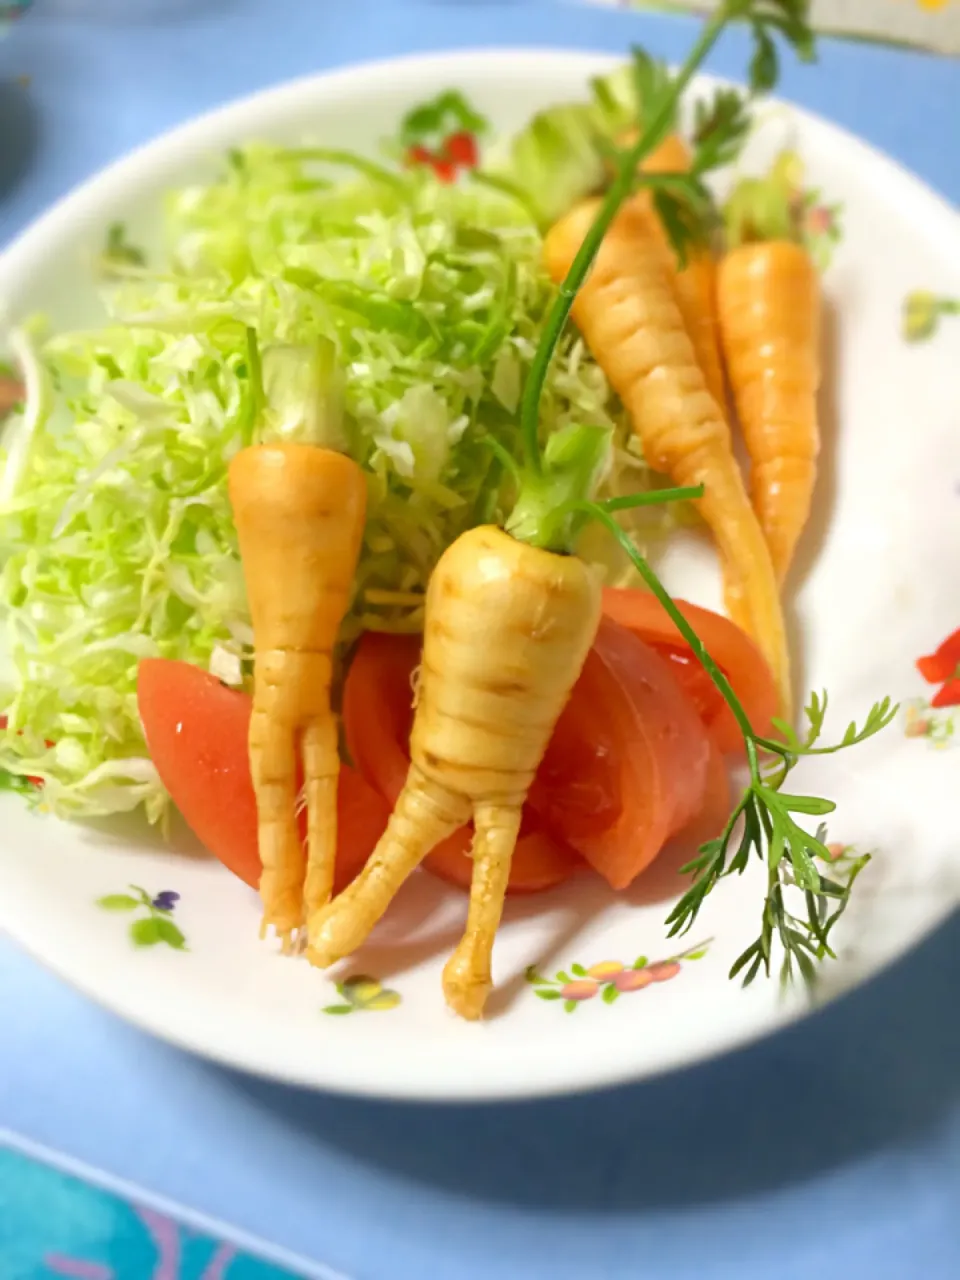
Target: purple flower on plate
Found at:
166, 900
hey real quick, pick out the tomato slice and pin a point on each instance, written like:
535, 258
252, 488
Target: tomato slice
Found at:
196, 731
377, 717
714, 809
733, 651
626, 767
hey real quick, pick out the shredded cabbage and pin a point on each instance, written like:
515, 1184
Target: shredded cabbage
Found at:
562, 155
116, 538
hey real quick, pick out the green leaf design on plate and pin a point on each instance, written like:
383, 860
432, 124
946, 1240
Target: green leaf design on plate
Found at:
118, 902
535, 978
146, 932
547, 994
641, 962
360, 989
569, 1006
610, 993
695, 955
338, 1010
563, 977
168, 932
387, 999
578, 970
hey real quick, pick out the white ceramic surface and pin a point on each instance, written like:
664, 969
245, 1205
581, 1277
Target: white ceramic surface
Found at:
876, 590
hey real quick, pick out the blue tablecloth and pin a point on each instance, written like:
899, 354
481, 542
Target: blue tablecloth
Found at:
832, 1150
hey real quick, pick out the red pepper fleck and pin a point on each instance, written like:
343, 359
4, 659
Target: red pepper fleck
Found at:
11, 394
37, 782
445, 170
942, 664
948, 695
418, 155
819, 221
461, 149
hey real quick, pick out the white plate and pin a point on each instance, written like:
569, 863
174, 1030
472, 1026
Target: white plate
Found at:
879, 591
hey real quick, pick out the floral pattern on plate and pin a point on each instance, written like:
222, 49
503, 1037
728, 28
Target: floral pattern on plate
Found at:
609, 979
922, 312
363, 994
934, 718
151, 924
443, 134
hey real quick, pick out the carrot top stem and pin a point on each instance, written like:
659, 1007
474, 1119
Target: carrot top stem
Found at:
254, 401
766, 208
573, 461
300, 397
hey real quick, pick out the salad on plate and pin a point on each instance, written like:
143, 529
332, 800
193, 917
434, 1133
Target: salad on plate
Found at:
337, 534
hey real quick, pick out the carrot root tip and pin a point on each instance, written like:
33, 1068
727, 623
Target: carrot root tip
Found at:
464, 990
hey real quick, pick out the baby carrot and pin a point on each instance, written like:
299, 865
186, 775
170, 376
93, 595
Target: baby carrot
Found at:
627, 311
508, 627
769, 298
695, 283
299, 513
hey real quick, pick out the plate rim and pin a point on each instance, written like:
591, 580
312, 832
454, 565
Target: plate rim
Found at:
190, 141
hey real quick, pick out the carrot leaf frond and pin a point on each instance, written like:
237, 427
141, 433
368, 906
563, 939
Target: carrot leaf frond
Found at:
720, 129
765, 63
653, 83
880, 715
786, 18
687, 218
762, 825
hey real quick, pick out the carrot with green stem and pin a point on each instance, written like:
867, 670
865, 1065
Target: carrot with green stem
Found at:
648, 314
510, 616
720, 127
509, 621
628, 313
769, 301
299, 505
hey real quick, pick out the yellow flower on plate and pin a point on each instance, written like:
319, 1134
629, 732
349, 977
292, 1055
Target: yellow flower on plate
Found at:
933, 4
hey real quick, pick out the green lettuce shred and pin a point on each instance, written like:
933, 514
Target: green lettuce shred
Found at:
563, 154
383, 311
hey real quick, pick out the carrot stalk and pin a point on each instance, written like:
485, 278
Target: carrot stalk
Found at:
628, 314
